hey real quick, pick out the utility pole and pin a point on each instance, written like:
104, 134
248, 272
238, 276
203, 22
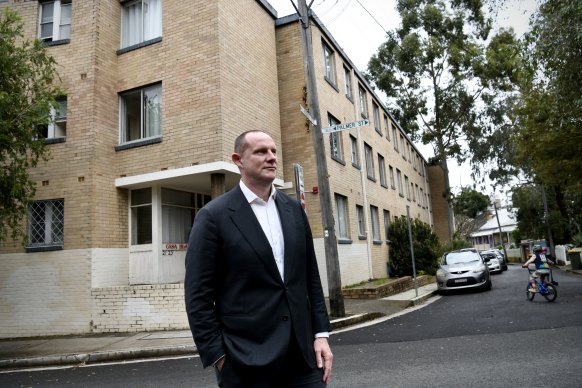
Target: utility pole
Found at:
499, 226
336, 300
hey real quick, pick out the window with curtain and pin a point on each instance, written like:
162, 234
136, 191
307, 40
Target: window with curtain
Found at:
342, 224
382, 170
394, 139
141, 20
363, 102
387, 127
328, 63
178, 211
348, 82
141, 113
392, 184
55, 20
355, 152
335, 140
375, 223
387, 224
400, 188
57, 126
369, 162
376, 112
361, 225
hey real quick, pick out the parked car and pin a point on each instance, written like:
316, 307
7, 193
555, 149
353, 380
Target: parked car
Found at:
500, 257
462, 269
492, 261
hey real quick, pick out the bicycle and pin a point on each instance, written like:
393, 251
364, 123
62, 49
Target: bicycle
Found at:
545, 287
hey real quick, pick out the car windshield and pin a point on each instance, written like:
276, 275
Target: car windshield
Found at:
459, 258
489, 256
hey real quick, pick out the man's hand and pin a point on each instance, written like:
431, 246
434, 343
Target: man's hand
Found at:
219, 364
323, 357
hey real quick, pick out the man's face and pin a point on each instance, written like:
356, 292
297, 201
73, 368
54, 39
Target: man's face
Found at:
258, 162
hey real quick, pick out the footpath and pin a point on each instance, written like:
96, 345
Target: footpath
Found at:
27, 353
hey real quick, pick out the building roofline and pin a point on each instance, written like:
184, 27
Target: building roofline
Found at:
268, 7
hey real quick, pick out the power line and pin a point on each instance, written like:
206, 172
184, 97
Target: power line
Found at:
372, 16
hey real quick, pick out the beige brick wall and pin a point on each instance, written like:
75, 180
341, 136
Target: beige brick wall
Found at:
344, 179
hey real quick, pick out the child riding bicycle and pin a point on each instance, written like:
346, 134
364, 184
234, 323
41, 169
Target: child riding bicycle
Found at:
541, 263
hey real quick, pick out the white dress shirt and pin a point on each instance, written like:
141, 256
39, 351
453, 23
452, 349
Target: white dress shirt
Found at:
268, 217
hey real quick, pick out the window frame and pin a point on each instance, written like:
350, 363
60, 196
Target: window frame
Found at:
348, 83
336, 146
399, 178
143, 131
363, 101
376, 113
375, 220
387, 127
342, 220
328, 63
355, 151
392, 180
369, 156
50, 224
382, 171
361, 223
143, 38
387, 224
56, 20
395, 139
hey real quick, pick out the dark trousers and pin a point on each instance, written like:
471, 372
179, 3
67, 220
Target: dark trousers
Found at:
292, 372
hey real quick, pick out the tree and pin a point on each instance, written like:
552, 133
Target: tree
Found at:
549, 114
426, 246
27, 93
445, 80
470, 202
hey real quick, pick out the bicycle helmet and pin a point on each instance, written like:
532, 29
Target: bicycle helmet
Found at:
537, 248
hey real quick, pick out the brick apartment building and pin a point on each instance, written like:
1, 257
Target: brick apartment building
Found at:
156, 94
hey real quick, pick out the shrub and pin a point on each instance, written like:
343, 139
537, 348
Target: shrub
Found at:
424, 241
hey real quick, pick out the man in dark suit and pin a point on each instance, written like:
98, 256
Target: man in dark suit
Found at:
252, 289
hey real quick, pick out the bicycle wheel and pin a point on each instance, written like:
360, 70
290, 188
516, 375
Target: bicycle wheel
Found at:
552, 293
530, 295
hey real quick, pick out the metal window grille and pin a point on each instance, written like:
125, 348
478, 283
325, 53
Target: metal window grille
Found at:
46, 223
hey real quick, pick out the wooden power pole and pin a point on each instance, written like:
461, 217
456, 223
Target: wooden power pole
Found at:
336, 301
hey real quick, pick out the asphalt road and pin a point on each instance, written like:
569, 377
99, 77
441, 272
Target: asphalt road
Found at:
468, 339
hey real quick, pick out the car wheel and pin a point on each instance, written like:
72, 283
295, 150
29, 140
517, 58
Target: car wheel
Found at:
488, 285
443, 292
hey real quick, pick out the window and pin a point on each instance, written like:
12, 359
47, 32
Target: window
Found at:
402, 147
348, 82
375, 223
355, 152
382, 170
413, 191
399, 177
369, 162
141, 20
421, 198
387, 224
376, 111
406, 184
178, 210
392, 185
141, 113
55, 21
335, 140
342, 224
141, 216
363, 102
328, 63
57, 127
46, 223
387, 127
394, 139
361, 226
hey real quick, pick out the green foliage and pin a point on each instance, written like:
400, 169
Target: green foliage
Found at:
425, 244
456, 244
447, 82
470, 202
516, 235
27, 94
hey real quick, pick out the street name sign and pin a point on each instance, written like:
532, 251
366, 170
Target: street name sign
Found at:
341, 127
306, 113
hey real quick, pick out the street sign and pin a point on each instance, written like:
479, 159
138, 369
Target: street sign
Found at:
299, 184
306, 113
341, 127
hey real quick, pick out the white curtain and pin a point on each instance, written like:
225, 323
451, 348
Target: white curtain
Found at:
131, 24
152, 19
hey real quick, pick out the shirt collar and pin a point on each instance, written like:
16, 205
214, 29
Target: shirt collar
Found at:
251, 197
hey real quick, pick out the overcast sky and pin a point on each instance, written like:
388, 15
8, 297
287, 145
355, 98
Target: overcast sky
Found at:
359, 27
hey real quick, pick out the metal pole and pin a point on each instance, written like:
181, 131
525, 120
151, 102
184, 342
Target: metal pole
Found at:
499, 226
411, 248
336, 300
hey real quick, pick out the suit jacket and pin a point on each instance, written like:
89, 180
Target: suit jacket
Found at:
236, 301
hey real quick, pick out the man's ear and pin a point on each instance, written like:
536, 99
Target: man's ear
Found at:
237, 160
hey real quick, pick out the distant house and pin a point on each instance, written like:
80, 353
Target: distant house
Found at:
489, 236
